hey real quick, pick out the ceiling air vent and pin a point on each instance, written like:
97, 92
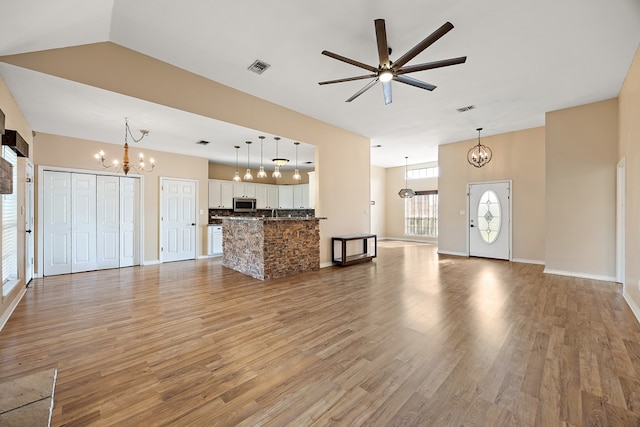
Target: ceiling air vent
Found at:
258, 66
467, 108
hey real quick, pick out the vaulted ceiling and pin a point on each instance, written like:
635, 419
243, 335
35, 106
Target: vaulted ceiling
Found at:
523, 59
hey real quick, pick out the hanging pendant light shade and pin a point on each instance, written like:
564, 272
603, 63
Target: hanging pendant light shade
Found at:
406, 192
261, 173
278, 161
479, 155
236, 177
247, 176
296, 172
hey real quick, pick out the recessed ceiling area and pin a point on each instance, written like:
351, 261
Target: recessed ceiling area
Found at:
523, 60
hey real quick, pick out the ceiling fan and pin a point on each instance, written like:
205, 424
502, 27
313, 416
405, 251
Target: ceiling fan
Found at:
388, 70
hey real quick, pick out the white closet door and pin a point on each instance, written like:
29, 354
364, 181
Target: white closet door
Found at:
108, 222
129, 221
83, 220
57, 223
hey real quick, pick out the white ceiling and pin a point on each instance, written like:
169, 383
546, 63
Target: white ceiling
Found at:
524, 58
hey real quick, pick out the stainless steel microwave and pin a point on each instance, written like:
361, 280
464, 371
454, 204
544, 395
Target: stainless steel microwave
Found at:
244, 204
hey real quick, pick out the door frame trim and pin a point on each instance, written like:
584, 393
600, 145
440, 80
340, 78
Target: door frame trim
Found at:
40, 213
503, 181
621, 178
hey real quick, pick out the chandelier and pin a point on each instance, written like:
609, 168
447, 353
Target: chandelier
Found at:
126, 166
406, 192
479, 155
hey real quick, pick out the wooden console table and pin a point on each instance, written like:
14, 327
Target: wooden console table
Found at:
363, 256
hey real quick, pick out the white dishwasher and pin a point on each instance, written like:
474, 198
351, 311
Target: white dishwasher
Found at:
214, 246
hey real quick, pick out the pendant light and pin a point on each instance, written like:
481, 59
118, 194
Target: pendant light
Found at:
479, 155
236, 177
247, 176
296, 172
406, 192
261, 173
278, 161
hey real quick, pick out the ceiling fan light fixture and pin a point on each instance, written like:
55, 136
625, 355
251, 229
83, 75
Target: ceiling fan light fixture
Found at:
385, 76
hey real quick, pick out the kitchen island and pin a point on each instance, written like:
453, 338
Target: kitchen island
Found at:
267, 247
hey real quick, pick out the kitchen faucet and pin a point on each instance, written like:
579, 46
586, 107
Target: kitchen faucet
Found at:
274, 213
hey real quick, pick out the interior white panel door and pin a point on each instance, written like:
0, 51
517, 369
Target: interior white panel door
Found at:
83, 220
57, 223
108, 221
178, 219
129, 221
490, 220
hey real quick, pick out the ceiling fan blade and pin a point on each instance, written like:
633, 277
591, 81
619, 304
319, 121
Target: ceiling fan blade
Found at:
386, 89
381, 39
431, 65
428, 41
350, 61
363, 90
348, 79
414, 82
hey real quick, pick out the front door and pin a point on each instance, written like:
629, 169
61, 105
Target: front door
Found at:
178, 220
490, 220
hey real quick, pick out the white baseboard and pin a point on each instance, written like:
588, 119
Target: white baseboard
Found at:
408, 239
580, 275
326, 264
7, 314
151, 262
452, 253
632, 305
528, 261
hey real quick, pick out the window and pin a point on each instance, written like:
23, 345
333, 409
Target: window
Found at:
422, 173
10, 227
421, 214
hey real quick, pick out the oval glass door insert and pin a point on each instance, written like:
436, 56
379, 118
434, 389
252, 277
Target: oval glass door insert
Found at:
489, 218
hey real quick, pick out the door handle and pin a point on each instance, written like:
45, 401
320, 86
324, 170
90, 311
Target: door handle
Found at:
193, 223
28, 231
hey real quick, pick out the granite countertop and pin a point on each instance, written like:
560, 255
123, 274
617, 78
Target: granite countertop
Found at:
269, 218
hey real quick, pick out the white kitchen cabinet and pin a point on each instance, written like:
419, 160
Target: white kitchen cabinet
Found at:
214, 240
244, 189
301, 196
266, 196
285, 196
220, 194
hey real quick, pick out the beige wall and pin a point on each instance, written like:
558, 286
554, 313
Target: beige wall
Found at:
342, 157
15, 120
226, 172
394, 207
581, 158
517, 156
629, 149
378, 196
59, 151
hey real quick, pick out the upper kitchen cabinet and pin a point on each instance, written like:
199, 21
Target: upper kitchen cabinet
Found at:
220, 194
244, 189
266, 196
285, 196
301, 196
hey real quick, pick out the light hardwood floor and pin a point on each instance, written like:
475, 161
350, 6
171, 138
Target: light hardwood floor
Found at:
413, 338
